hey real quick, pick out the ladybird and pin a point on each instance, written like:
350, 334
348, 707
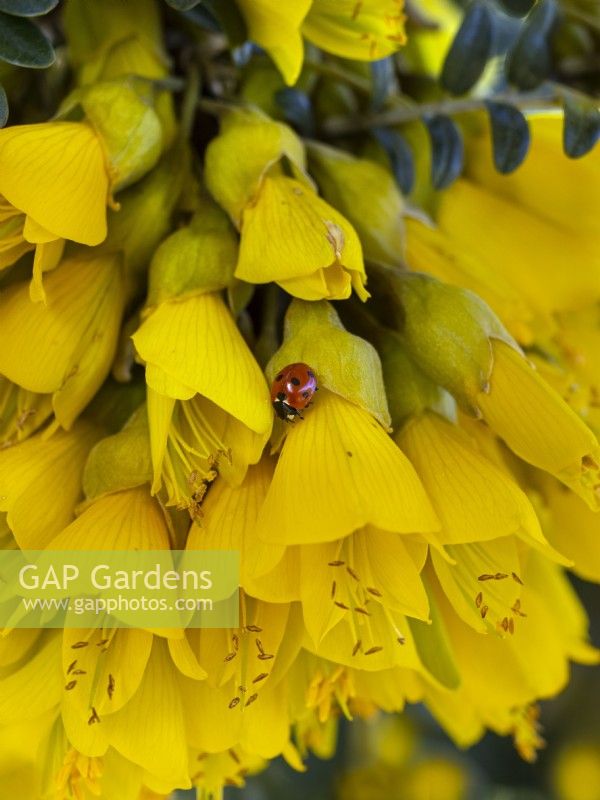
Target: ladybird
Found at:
292, 391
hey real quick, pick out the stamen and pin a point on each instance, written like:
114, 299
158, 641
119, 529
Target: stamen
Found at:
261, 677
374, 591
342, 605
351, 572
484, 610
70, 685
230, 656
360, 610
251, 699
253, 629
261, 649
111, 687
234, 702
265, 656
356, 647
71, 666
373, 650
94, 717
516, 578
79, 645
336, 563
479, 600
333, 585
235, 756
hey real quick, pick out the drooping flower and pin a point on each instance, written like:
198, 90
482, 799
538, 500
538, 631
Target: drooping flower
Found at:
359, 30
255, 169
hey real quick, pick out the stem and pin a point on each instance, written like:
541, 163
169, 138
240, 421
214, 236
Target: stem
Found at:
190, 101
333, 71
342, 126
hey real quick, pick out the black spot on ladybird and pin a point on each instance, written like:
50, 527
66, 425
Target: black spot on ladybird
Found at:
279, 377
305, 394
281, 396
296, 381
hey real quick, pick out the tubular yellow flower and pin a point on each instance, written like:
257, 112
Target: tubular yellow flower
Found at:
363, 31
288, 233
548, 214
463, 347
198, 418
54, 185
65, 346
41, 483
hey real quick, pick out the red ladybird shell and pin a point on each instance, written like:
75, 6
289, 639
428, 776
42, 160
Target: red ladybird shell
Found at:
293, 389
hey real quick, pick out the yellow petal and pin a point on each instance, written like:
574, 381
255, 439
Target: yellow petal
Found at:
364, 31
41, 483
277, 30
473, 498
47, 257
55, 173
537, 424
149, 730
214, 365
229, 520
66, 345
360, 477
33, 687
289, 232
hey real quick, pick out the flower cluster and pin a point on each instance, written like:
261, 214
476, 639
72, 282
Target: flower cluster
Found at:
408, 540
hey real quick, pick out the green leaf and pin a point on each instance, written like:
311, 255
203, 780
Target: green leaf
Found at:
23, 44
510, 136
400, 155
3, 107
183, 5
470, 50
447, 151
27, 8
517, 8
530, 61
582, 126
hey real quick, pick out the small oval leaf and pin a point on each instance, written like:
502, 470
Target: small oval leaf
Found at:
510, 136
401, 157
582, 126
3, 107
27, 8
470, 50
183, 5
447, 151
530, 61
517, 8
23, 44
383, 76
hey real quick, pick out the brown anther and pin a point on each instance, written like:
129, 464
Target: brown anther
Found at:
229, 657
251, 699
265, 656
504, 624
336, 563
261, 677
372, 650
516, 578
253, 629
201, 756
352, 573
333, 586
356, 647
360, 610
94, 717
341, 605
79, 672
374, 591
79, 645
235, 756
401, 639
511, 625
486, 577
499, 576
588, 462
102, 642
71, 666
111, 687
236, 641
484, 610
479, 600
234, 702
259, 644
242, 689
70, 685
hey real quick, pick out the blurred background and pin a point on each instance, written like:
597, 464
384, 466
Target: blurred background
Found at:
408, 757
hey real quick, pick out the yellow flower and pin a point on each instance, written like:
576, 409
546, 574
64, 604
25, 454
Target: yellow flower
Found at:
21, 412
367, 30
64, 347
549, 212
54, 185
463, 347
41, 483
199, 419
288, 233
